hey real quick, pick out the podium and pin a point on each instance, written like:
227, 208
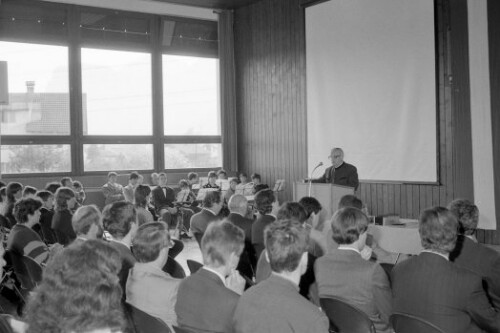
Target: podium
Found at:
328, 195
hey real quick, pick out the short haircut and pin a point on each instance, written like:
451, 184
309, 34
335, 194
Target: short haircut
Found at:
117, 218
111, 174
237, 202
63, 194
3, 193
44, 195
350, 200
212, 174
220, 240
255, 176
438, 229
234, 180
211, 198
65, 179
11, 191
24, 207
84, 218
292, 211
467, 215
221, 172
264, 200
311, 205
29, 190
192, 175
52, 187
244, 174
162, 174
183, 183
150, 239
348, 224
77, 184
141, 192
134, 175
286, 241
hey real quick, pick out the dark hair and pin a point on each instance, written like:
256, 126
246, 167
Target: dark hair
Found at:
255, 176
212, 174
260, 187
162, 174
63, 194
2, 184
150, 239
219, 241
292, 211
134, 175
183, 183
65, 179
438, 229
311, 205
52, 187
79, 292
467, 215
141, 192
264, 200
24, 207
348, 224
221, 172
192, 175
211, 198
112, 173
118, 217
77, 184
244, 174
29, 190
44, 195
12, 189
350, 200
3, 193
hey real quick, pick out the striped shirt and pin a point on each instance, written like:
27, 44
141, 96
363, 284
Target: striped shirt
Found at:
26, 242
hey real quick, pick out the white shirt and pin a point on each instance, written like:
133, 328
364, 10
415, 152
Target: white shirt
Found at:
343, 247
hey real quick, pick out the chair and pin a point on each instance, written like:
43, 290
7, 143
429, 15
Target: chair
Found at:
173, 268
193, 265
20, 270
388, 269
405, 323
145, 323
345, 318
34, 269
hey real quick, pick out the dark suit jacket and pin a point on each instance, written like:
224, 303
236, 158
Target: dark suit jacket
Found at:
346, 174
481, 260
61, 224
452, 298
258, 232
128, 261
49, 236
160, 200
200, 222
248, 261
205, 304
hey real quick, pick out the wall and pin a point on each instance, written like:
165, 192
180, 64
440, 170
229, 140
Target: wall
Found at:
271, 110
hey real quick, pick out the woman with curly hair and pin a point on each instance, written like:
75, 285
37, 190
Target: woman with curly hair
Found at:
61, 221
79, 292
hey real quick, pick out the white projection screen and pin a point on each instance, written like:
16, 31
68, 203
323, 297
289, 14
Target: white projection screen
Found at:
371, 87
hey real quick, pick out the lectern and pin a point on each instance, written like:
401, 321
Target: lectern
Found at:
328, 195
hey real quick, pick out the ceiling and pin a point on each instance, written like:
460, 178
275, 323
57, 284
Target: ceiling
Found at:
214, 4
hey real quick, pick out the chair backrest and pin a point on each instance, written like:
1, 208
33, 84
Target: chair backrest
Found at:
345, 318
193, 265
405, 323
173, 268
145, 323
34, 269
20, 270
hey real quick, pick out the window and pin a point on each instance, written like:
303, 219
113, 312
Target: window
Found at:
107, 157
35, 158
184, 156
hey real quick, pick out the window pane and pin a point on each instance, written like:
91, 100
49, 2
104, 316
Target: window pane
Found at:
190, 96
35, 158
38, 90
116, 89
109, 157
183, 156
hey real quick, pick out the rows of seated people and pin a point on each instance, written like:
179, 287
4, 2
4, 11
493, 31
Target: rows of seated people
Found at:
267, 272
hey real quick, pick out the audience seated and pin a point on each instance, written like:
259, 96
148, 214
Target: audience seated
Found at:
128, 191
87, 223
471, 255
193, 179
120, 221
316, 219
344, 274
185, 195
13, 192
212, 178
243, 177
206, 300
79, 292
46, 215
80, 194
22, 240
257, 183
163, 200
52, 187
429, 286
112, 190
61, 221
142, 198
221, 174
231, 190
275, 305
29, 191
148, 287
154, 179
66, 182
212, 204
265, 203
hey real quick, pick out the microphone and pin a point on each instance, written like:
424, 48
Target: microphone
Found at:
310, 178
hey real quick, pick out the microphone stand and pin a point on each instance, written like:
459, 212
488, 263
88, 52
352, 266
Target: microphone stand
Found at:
310, 178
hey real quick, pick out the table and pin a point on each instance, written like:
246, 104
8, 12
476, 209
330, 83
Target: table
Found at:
398, 238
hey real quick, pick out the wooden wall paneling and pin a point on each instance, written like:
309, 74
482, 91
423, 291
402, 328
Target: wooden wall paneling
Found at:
397, 199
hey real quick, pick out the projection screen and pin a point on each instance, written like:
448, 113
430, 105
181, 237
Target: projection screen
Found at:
371, 87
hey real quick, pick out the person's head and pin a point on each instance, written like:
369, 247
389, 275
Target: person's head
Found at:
29, 191
350, 200
162, 179
193, 178
79, 292
66, 182
133, 178
27, 211
47, 198
142, 195
77, 185
213, 201
311, 205
292, 211
349, 226
151, 243
119, 218
337, 157
238, 204
154, 178
52, 187
286, 246
212, 177
467, 215
65, 199
14, 191
243, 177
256, 179
222, 245
264, 201
140, 181
438, 230
233, 183
112, 177
2, 184
87, 222
183, 184
3, 194
222, 174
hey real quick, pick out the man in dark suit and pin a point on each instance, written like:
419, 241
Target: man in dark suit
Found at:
469, 254
238, 207
206, 300
163, 198
267, 205
431, 287
340, 173
212, 204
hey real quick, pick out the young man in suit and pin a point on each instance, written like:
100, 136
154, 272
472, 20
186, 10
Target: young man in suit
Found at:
267, 205
431, 287
206, 300
212, 204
